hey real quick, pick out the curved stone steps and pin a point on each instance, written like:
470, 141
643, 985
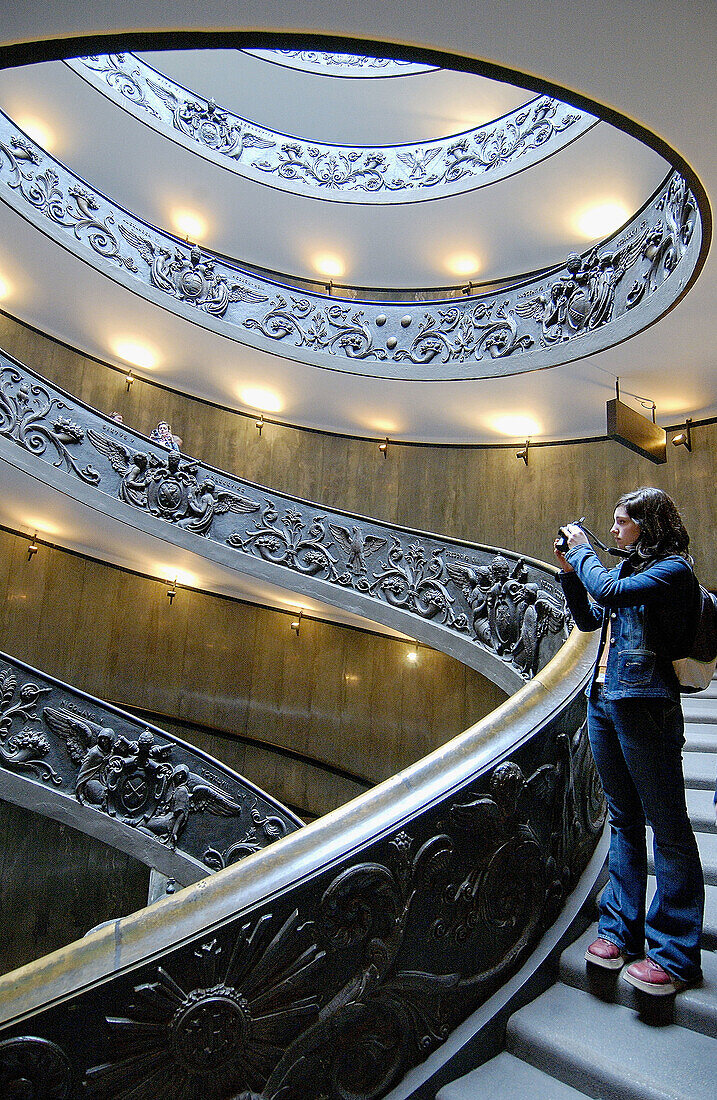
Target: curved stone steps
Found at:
591, 1034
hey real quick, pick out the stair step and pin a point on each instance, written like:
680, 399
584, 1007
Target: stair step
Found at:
695, 1009
698, 708
700, 737
508, 1078
611, 1052
707, 844
701, 808
699, 768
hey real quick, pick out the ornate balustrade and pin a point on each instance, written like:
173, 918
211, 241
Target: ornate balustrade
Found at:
378, 174
330, 962
69, 756
593, 301
498, 612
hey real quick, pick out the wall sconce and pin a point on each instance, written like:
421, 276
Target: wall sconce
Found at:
259, 424
383, 447
684, 438
296, 625
172, 592
129, 379
523, 452
412, 655
32, 548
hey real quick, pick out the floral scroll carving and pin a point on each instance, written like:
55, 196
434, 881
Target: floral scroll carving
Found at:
381, 173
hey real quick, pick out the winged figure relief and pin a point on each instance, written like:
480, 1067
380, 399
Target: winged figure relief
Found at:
543, 612
476, 585
89, 745
418, 160
185, 794
356, 547
210, 125
132, 467
205, 502
583, 298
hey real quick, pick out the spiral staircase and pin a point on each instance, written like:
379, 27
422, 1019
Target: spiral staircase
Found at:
404, 939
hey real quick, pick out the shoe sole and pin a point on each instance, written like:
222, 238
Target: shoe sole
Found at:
665, 989
606, 964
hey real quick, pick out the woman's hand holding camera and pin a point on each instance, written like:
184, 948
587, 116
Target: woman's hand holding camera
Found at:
570, 535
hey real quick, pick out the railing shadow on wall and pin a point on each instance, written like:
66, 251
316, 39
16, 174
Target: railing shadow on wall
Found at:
330, 962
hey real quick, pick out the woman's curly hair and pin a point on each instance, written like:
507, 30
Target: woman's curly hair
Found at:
662, 531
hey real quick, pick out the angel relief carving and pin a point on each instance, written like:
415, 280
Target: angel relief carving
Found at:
189, 278
167, 487
509, 613
583, 298
135, 782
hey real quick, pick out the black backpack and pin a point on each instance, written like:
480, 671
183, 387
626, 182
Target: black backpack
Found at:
697, 667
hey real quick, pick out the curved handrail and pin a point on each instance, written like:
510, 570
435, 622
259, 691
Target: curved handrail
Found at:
408, 172
562, 314
69, 756
498, 612
331, 961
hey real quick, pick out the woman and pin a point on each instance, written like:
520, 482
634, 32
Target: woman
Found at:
636, 732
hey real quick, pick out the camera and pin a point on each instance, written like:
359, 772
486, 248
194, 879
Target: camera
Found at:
561, 544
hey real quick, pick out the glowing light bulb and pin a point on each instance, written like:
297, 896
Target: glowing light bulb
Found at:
329, 264
463, 263
134, 352
515, 424
258, 398
594, 222
38, 130
190, 224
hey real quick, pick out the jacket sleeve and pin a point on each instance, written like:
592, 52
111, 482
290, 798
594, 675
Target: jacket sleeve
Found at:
587, 616
608, 589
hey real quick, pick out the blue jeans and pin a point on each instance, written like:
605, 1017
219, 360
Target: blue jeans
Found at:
637, 746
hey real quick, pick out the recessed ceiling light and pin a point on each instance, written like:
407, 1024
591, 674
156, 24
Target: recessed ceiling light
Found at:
463, 263
593, 222
37, 130
190, 224
515, 424
131, 351
258, 398
327, 263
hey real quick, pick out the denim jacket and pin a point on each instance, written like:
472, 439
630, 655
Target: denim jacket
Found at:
648, 612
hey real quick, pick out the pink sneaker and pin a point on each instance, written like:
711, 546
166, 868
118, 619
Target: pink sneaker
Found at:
606, 954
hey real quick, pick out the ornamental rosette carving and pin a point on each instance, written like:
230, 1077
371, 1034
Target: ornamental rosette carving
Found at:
448, 165
33, 1067
214, 1028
